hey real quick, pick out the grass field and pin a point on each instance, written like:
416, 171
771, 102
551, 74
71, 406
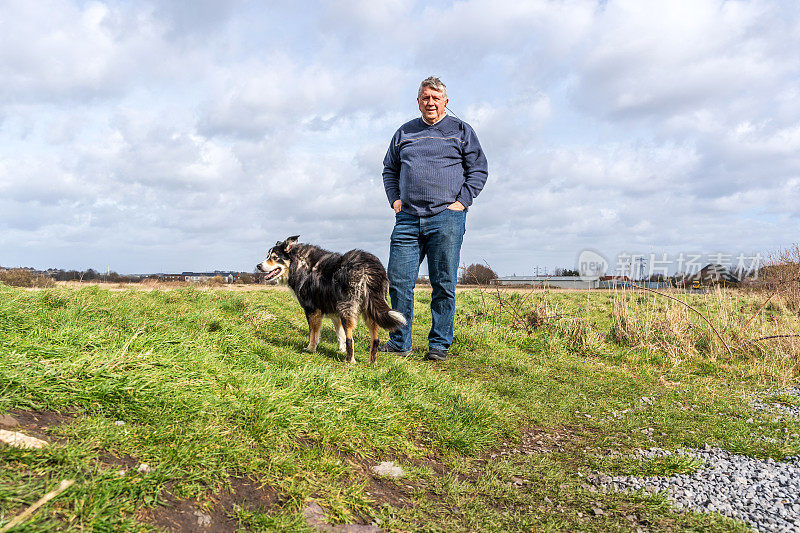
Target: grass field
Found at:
211, 389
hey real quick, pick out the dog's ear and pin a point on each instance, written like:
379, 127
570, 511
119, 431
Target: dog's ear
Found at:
289, 243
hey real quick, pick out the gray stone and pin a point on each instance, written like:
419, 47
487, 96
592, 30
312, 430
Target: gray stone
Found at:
314, 516
20, 440
203, 520
8, 421
388, 469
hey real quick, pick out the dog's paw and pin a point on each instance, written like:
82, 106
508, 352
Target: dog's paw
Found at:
342, 348
310, 349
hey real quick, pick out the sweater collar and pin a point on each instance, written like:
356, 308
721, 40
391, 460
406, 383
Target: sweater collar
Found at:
434, 123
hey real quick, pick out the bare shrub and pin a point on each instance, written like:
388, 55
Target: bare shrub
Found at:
527, 311
532, 312
23, 277
781, 277
478, 275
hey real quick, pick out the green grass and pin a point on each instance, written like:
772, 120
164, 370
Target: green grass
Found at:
788, 400
657, 466
214, 384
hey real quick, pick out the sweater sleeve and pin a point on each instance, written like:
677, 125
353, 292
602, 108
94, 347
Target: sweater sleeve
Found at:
391, 170
476, 168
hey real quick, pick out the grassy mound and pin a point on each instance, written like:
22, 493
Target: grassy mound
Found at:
212, 391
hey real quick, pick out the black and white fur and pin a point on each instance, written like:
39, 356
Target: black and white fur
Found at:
340, 286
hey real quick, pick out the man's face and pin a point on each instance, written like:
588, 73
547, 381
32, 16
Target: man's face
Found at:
432, 104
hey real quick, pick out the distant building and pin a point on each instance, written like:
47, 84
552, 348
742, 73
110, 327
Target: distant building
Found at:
556, 282
195, 277
614, 282
575, 282
624, 282
616, 278
714, 273
202, 277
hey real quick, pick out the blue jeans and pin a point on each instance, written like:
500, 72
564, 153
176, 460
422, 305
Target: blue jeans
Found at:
439, 239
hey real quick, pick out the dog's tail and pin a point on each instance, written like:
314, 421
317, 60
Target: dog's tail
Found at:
376, 307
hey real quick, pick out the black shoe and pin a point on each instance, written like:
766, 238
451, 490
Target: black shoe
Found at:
436, 354
389, 348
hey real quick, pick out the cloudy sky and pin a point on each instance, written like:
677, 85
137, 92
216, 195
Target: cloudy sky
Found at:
169, 136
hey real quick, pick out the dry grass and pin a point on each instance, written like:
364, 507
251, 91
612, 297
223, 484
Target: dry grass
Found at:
750, 332
753, 331
22, 277
580, 332
216, 281
765, 343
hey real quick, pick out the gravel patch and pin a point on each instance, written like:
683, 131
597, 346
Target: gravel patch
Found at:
760, 404
763, 493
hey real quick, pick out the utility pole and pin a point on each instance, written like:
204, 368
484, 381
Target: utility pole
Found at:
641, 262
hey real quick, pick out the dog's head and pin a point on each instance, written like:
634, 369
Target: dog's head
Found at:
278, 258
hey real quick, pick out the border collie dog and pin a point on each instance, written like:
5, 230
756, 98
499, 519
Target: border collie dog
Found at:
340, 286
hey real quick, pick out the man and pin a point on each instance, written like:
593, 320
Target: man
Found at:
432, 172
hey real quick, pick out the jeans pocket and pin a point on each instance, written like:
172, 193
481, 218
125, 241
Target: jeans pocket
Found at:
460, 218
458, 214
403, 218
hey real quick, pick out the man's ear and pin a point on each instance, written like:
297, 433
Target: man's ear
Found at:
289, 243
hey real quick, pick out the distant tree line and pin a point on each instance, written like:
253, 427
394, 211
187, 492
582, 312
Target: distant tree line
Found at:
92, 275
567, 272
30, 277
24, 277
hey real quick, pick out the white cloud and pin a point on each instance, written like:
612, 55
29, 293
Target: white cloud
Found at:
57, 50
680, 62
159, 136
278, 94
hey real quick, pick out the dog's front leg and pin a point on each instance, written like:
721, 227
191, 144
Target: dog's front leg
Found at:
314, 326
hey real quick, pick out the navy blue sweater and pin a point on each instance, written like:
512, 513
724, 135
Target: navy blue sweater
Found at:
430, 167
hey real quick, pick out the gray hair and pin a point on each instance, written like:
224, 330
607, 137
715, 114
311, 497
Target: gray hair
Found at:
434, 83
